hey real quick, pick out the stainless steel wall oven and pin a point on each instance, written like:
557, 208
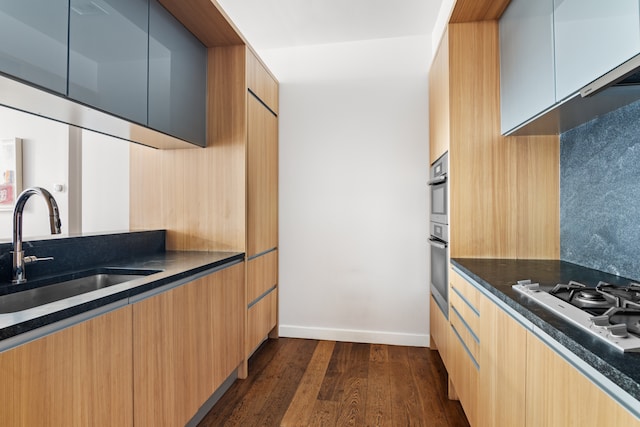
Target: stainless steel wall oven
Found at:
439, 232
439, 186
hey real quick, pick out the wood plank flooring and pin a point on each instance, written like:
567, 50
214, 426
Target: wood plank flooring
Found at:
297, 382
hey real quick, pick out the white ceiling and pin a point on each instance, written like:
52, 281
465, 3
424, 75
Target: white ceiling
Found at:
270, 24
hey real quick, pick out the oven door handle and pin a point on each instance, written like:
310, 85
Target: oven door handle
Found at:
438, 180
437, 243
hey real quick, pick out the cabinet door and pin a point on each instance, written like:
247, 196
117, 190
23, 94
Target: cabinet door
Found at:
527, 81
262, 275
34, 41
262, 317
439, 101
503, 357
465, 319
262, 178
79, 376
439, 332
261, 83
185, 343
108, 56
262, 298
591, 38
559, 395
177, 78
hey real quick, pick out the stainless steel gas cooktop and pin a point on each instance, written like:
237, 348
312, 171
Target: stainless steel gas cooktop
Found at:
609, 312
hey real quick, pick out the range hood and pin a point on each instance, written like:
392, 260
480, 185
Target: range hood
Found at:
627, 74
615, 89
23, 97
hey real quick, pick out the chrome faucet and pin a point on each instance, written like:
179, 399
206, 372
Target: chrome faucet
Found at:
19, 260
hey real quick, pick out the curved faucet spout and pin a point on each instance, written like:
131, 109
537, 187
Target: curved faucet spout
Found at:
54, 223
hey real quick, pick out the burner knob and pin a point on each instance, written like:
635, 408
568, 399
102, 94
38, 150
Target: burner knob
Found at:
618, 331
600, 321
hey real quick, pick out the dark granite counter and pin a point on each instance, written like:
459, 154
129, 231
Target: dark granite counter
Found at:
138, 251
498, 275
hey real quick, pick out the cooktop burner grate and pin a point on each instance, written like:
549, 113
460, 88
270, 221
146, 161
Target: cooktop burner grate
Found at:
609, 312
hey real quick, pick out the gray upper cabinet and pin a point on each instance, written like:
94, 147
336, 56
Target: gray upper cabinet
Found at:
34, 41
125, 58
108, 56
527, 82
177, 78
591, 38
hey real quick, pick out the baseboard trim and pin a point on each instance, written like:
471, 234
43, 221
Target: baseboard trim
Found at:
350, 335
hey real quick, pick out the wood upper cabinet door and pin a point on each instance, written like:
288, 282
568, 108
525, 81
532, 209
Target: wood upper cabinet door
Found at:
439, 101
185, 343
262, 177
261, 83
79, 376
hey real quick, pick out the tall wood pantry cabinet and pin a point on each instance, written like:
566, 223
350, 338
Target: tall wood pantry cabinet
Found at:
262, 203
224, 196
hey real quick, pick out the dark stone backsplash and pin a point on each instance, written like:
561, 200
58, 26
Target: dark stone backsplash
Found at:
600, 193
81, 252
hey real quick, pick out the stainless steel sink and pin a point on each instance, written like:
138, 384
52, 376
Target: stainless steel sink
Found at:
59, 290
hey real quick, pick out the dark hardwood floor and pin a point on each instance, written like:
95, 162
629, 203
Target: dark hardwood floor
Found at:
297, 382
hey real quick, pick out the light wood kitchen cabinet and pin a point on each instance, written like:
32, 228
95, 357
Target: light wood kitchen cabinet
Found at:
262, 204
464, 318
186, 342
262, 177
261, 83
262, 318
78, 376
262, 298
520, 380
504, 191
501, 393
558, 394
488, 356
439, 102
224, 196
439, 332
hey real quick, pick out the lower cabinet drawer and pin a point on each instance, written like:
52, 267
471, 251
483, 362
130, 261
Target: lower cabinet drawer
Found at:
464, 375
470, 314
261, 319
464, 289
467, 336
262, 275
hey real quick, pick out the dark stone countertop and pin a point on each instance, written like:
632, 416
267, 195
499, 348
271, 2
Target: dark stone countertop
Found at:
175, 266
498, 275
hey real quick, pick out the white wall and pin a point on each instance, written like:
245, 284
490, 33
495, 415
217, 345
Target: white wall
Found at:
446, 8
353, 196
92, 168
45, 162
105, 183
